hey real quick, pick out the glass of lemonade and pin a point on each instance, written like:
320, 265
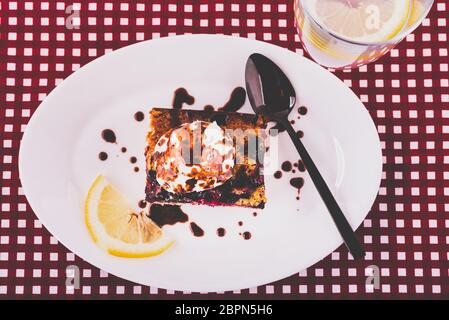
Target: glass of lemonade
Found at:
350, 33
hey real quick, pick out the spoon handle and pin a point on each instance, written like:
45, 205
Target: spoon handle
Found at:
339, 218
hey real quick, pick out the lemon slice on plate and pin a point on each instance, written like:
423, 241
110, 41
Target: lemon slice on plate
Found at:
361, 20
117, 228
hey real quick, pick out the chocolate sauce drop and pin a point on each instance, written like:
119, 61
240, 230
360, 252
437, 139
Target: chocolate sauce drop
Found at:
302, 110
278, 174
286, 166
236, 100
297, 182
123, 149
240, 223
300, 134
102, 156
133, 159
292, 121
139, 116
196, 229
246, 235
142, 204
221, 232
136, 169
167, 214
255, 213
109, 136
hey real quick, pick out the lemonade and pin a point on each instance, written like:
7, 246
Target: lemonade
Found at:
350, 33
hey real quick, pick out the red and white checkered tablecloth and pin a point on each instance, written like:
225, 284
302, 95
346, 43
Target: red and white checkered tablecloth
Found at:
406, 234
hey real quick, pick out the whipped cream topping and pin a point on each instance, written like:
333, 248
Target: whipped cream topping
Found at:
195, 156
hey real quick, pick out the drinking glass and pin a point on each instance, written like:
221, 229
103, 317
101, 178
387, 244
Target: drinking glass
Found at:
334, 50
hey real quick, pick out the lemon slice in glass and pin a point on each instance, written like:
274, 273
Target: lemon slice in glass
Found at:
361, 20
117, 228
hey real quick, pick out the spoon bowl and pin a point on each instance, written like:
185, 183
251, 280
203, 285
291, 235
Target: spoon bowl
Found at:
269, 90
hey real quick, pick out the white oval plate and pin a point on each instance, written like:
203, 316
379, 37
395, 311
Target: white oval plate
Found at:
59, 160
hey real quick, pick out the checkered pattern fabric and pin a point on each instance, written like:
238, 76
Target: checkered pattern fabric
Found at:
406, 92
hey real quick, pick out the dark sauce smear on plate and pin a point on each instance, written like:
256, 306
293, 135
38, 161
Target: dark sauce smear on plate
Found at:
102, 156
139, 116
136, 169
196, 229
278, 174
240, 223
109, 136
221, 232
123, 149
167, 214
133, 159
236, 100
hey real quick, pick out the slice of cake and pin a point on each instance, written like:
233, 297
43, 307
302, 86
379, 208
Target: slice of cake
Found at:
224, 174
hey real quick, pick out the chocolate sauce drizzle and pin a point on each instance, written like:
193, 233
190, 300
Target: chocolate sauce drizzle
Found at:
180, 97
236, 100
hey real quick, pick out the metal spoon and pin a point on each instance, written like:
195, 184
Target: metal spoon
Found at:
271, 94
